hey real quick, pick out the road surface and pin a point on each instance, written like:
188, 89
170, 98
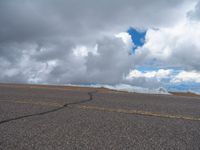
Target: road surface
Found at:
53, 117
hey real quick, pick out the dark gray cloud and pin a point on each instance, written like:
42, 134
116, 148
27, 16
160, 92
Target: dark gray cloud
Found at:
25, 20
112, 62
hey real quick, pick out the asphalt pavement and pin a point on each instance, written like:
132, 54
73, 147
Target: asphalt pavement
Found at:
56, 118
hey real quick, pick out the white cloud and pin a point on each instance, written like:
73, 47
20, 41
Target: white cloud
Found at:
172, 47
80, 51
186, 76
159, 74
126, 38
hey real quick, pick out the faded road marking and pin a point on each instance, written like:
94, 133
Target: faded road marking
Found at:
104, 109
139, 112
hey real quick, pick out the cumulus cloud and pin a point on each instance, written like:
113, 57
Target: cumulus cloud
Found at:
105, 62
187, 76
148, 79
126, 38
176, 46
159, 74
74, 41
112, 62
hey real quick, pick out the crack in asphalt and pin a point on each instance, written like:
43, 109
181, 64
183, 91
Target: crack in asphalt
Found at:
52, 110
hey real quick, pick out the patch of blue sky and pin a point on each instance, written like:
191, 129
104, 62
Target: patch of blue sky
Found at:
156, 68
177, 87
137, 36
184, 87
147, 68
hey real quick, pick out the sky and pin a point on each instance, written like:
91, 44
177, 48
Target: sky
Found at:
149, 44
137, 37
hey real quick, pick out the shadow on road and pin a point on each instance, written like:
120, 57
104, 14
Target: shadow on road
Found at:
52, 110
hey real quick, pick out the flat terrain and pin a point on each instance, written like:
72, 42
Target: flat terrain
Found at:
58, 117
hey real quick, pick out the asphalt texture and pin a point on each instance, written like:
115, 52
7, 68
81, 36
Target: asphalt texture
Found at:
56, 118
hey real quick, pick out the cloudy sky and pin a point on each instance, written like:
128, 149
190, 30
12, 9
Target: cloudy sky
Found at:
137, 42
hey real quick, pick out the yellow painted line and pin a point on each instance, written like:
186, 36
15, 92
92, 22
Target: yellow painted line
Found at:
115, 110
34, 103
138, 112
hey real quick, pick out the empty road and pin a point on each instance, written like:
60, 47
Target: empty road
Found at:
58, 117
